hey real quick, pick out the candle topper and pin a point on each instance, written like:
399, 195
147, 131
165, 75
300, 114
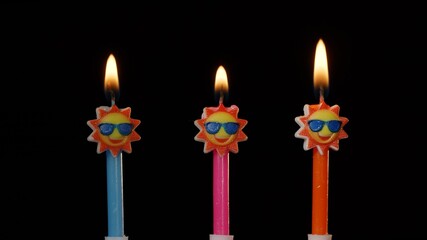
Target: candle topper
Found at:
321, 127
220, 130
113, 130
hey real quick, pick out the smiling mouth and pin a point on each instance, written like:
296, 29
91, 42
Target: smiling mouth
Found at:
324, 138
221, 140
115, 141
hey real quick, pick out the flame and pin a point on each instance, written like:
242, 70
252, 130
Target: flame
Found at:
321, 76
111, 80
221, 82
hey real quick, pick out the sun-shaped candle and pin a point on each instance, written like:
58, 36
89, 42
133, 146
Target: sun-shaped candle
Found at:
321, 127
220, 130
316, 116
113, 130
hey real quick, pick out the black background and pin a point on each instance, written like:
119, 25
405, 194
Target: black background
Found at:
53, 183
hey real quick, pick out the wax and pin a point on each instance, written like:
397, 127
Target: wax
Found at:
220, 194
320, 192
115, 195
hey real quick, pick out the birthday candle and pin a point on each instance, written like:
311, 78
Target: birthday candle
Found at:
220, 130
113, 130
321, 127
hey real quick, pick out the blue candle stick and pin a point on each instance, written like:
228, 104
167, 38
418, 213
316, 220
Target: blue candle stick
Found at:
115, 195
114, 130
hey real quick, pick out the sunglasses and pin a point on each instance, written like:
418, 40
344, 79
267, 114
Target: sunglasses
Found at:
229, 127
108, 128
317, 125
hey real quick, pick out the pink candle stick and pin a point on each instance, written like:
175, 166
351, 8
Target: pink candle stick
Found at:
220, 194
220, 130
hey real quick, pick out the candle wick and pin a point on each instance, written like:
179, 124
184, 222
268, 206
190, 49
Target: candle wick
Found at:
321, 94
113, 98
221, 97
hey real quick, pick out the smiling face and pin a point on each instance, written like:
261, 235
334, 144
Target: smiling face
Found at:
321, 127
113, 129
324, 126
110, 128
220, 129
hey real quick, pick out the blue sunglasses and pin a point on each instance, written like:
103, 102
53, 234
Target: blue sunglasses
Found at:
229, 127
108, 128
317, 125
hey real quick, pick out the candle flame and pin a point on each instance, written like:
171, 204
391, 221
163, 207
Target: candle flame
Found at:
321, 75
111, 80
221, 82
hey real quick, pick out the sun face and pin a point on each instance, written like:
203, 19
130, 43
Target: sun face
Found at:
113, 130
220, 129
321, 127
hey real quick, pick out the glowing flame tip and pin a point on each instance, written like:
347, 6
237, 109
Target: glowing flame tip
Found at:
111, 80
321, 75
221, 81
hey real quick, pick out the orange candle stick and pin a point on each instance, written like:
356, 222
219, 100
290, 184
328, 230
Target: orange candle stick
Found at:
321, 127
320, 192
